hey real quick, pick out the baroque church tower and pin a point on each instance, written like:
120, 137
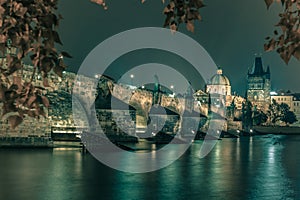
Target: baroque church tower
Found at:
259, 85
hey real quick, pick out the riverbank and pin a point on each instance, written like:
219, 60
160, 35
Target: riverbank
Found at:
125, 141
278, 130
26, 142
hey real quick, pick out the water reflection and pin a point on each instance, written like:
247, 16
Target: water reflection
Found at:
245, 168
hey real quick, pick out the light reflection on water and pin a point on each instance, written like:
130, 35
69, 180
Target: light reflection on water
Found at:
260, 167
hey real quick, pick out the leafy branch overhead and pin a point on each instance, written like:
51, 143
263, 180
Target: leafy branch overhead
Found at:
27, 31
176, 12
287, 43
182, 11
286, 40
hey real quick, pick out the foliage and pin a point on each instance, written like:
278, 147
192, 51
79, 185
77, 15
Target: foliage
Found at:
274, 112
280, 112
182, 11
27, 31
286, 43
289, 117
247, 114
259, 117
230, 111
176, 11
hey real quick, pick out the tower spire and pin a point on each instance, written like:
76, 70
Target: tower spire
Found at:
258, 66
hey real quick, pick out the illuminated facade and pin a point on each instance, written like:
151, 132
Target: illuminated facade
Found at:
259, 85
219, 84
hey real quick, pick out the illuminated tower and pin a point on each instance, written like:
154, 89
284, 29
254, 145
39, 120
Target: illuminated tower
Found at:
259, 85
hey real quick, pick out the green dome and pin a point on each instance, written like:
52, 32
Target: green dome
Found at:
219, 79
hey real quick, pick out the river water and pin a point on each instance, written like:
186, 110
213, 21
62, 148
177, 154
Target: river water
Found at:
259, 167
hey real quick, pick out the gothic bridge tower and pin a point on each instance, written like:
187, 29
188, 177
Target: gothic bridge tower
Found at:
259, 85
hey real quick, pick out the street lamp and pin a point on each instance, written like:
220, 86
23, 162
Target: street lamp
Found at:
173, 90
131, 77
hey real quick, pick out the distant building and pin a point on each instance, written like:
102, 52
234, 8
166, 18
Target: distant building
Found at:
283, 97
259, 85
295, 107
218, 88
219, 84
291, 99
222, 102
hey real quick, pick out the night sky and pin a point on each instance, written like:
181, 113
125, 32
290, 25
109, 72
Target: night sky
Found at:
232, 32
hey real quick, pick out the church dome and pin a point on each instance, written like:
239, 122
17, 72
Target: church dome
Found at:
219, 79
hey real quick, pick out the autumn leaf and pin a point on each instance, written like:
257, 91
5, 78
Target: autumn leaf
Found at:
2, 10
45, 82
17, 80
2, 93
45, 101
56, 37
101, 3
65, 54
173, 28
190, 26
14, 121
58, 70
287, 43
7, 108
269, 3
297, 52
31, 100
